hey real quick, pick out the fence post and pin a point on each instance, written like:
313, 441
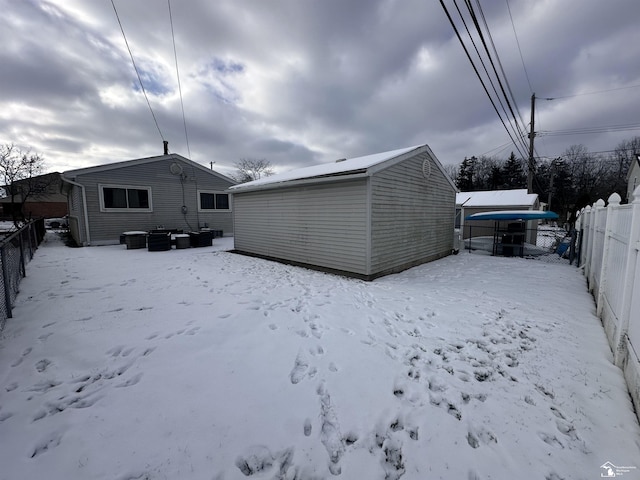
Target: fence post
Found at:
587, 240
614, 203
629, 289
5, 277
598, 208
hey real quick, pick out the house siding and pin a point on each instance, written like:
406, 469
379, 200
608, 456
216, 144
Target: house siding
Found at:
322, 225
633, 179
412, 217
76, 218
169, 193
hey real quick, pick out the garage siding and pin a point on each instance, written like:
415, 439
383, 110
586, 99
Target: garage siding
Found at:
412, 216
321, 225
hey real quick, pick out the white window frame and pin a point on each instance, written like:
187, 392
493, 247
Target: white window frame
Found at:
214, 210
102, 186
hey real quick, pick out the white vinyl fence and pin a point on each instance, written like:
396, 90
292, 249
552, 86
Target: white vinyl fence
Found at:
610, 254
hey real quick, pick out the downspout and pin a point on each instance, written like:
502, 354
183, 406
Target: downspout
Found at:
84, 207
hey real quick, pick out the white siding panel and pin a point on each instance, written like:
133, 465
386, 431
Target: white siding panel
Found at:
322, 225
412, 216
169, 194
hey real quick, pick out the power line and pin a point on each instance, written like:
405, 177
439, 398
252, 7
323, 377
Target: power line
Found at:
515, 34
591, 130
519, 133
594, 92
499, 62
175, 56
136, 69
475, 68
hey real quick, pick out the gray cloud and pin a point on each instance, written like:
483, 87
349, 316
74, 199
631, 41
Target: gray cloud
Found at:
302, 82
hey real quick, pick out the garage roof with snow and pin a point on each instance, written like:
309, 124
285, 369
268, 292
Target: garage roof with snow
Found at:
496, 198
339, 167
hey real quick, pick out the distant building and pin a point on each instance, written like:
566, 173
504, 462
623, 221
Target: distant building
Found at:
44, 198
633, 177
468, 203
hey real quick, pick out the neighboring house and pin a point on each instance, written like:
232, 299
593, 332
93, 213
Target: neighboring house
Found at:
364, 217
168, 191
43, 197
468, 203
633, 178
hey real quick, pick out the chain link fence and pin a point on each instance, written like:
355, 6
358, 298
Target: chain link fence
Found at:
16, 251
545, 243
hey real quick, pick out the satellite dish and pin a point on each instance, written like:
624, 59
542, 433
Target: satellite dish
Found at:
176, 168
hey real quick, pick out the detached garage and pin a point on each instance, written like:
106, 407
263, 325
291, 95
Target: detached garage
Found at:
364, 217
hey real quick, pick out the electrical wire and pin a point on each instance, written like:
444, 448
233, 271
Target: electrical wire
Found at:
175, 56
515, 34
475, 69
591, 130
518, 132
135, 67
594, 92
504, 83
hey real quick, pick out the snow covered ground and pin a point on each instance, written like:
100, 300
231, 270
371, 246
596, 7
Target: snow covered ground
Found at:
202, 364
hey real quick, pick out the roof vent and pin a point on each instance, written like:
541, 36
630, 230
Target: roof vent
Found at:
175, 168
340, 160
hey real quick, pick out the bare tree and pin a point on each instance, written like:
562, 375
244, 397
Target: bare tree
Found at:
249, 169
20, 174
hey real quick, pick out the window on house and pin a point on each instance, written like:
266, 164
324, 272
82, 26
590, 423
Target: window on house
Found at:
214, 201
125, 198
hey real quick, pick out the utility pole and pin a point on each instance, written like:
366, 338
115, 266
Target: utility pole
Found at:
532, 134
552, 172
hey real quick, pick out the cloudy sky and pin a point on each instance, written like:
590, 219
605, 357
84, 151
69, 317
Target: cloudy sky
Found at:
301, 82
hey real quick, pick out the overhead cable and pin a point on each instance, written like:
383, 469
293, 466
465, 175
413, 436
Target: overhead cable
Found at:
175, 56
137, 72
475, 69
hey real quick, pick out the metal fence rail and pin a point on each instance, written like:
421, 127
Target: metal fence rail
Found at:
16, 251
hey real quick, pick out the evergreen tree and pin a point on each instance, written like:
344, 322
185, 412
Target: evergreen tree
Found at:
464, 181
513, 173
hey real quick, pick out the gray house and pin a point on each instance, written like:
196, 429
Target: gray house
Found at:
633, 177
364, 217
167, 191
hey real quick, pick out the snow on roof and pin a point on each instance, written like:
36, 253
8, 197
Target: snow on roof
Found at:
496, 198
327, 169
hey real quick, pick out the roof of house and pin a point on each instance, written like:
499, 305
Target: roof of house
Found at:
338, 168
497, 198
71, 174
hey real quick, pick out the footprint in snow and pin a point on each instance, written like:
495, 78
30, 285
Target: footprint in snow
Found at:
42, 365
11, 387
18, 360
132, 381
299, 370
46, 444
